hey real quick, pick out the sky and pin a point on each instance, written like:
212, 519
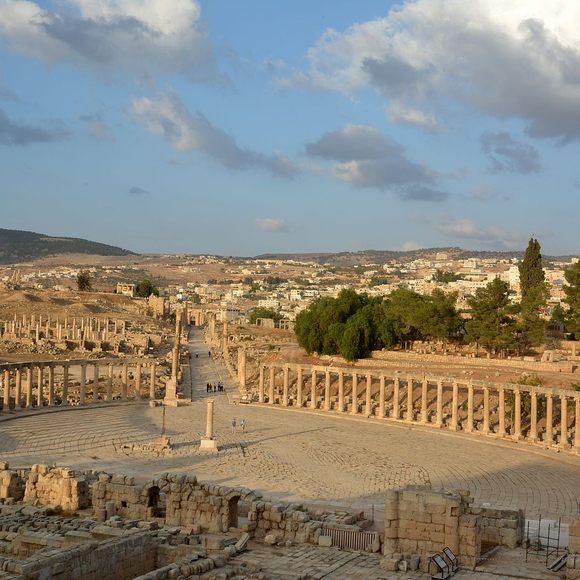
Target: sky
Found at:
241, 128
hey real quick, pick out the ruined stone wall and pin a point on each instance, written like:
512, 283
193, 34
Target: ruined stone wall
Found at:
11, 484
573, 564
501, 527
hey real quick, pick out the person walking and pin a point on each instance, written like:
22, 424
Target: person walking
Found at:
243, 425
234, 425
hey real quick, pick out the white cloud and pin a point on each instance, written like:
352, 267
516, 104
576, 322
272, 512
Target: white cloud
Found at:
166, 115
410, 246
271, 225
516, 59
506, 155
467, 229
139, 37
398, 113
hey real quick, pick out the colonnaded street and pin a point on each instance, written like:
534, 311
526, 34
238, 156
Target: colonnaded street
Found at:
292, 454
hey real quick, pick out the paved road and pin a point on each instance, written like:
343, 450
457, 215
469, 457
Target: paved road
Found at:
293, 454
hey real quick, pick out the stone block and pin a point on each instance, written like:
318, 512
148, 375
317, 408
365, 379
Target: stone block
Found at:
324, 541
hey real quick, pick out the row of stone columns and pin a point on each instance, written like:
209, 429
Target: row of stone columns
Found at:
20, 382
461, 395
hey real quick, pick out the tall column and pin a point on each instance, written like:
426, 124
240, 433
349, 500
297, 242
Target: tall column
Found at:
533, 433
242, 368
138, 381
209, 420
577, 422
285, 386
83, 386
549, 419
368, 402
485, 430
96, 382
354, 395
6, 389
110, 382
469, 425
424, 391
563, 422
517, 434
410, 414
50, 385
152, 381
261, 385
64, 393
340, 392
40, 386
327, 390
313, 401
299, 384
18, 388
501, 412
271, 392
439, 420
396, 388
454, 407
29, 387
382, 396
125, 382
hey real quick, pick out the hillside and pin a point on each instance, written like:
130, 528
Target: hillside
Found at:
19, 246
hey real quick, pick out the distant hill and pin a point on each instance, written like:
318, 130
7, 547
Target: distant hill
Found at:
18, 246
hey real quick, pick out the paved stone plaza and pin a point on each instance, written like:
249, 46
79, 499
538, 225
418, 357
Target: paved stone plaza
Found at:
294, 454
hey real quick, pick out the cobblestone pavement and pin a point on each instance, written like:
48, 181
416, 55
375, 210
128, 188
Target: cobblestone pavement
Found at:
292, 454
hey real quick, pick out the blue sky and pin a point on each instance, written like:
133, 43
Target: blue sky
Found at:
249, 127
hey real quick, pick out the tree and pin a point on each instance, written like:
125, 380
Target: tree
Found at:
492, 323
145, 288
261, 312
572, 290
84, 281
531, 271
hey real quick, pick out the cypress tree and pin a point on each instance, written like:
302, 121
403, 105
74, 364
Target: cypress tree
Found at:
531, 272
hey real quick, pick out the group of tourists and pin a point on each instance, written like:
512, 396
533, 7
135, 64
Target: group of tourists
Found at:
235, 424
215, 387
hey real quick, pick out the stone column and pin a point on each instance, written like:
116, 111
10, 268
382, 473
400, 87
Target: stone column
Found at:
549, 419
209, 420
40, 386
64, 385
533, 433
563, 422
340, 392
29, 387
517, 434
313, 401
261, 385
152, 381
469, 425
50, 385
577, 422
410, 413
391, 536
286, 382
485, 430
6, 389
424, 409
299, 384
271, 392
96, 383
110, 382
396, 387
83, 387
382, 396
354, 395
18, 388
242, 368
327, 390
439, 420
368, 401
125, 382
501, 412
454, 426
138, 380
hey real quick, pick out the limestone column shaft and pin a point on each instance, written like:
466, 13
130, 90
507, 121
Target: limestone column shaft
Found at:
577, 428
299, 385
40, 386
327, 390
96, 382
50, 386
313, 401
454, 407
382, 396
209, 420
501, 412
396, 388
424, 409
6, 389
64, 386
469, 425
439, 420
152, 370
83, 386
549, 419
18, 388
29, 387
368, 400
517, 414
110, 382
286, 381
138, 380
261, 385
354, 395
410, 414
533, 433
125, 382
563, 422
271, 393
485, 410
341, 392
